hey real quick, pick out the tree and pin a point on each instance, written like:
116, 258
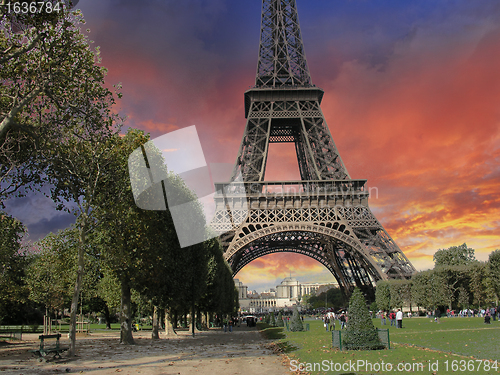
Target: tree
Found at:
420, 288
218, 271
494, 271
334, 297
140, 247
361, 333
53, 270
454, 256
77, 162
296, 322
45, 65
13, 263
108, 288
463, 298
428, 289
478, 272
383, 296
56, 94
272, 319
279, 321
453, 278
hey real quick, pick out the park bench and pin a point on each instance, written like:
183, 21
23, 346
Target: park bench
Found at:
45, 349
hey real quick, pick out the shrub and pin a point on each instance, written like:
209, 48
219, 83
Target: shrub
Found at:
296, 322
361, 333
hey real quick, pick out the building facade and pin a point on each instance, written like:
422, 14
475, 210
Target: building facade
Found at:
286, 295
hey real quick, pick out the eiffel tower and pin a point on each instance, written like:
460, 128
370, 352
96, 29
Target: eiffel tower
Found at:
324, 215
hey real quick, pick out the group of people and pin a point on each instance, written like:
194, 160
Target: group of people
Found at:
492, 312
228, 324
329, 320
396, 318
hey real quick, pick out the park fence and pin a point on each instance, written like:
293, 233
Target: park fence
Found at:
11, 332
383, 335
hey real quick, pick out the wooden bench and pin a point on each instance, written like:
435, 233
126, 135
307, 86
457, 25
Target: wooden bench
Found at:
44, 349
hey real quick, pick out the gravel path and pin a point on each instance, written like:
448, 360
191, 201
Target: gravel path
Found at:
242, 351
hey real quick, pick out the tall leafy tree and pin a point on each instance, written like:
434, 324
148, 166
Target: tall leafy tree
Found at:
52, 272
45, 65
478, 273
494, 271
13, 263
140, 247
126, 235
454, 277
454, 256
383, 296
54, 91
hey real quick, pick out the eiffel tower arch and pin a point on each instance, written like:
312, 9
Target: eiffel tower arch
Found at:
324, 215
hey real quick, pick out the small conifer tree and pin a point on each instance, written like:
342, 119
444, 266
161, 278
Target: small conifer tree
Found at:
361, 333
296, 322
266, 319
280, 320
272, 320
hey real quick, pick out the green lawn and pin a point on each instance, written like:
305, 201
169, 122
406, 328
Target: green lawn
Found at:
421, 347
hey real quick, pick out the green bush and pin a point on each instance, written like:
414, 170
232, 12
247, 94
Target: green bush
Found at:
361, 333
296, 322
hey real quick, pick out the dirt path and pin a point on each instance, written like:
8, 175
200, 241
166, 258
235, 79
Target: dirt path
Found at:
242, 351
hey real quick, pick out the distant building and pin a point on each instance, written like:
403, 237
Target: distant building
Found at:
242, 289
286, 295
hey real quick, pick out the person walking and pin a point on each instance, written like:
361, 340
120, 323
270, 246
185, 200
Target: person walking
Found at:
382, 318
342, 321
332, 322
399, 319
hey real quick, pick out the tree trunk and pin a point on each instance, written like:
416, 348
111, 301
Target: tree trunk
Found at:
76, 290
125, 316
169, 330
154, 333
193, 319
175, 319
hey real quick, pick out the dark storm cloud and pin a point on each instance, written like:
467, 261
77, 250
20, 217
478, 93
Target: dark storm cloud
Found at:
41, 228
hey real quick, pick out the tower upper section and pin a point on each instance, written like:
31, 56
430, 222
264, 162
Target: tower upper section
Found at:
282, 60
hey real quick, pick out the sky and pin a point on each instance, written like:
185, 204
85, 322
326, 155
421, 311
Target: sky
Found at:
412, 93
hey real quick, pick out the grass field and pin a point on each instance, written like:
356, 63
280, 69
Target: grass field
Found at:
454, 346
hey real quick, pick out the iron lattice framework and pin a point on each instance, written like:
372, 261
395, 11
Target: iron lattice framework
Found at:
325, 215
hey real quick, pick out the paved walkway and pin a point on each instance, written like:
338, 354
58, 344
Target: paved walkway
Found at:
242, 351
